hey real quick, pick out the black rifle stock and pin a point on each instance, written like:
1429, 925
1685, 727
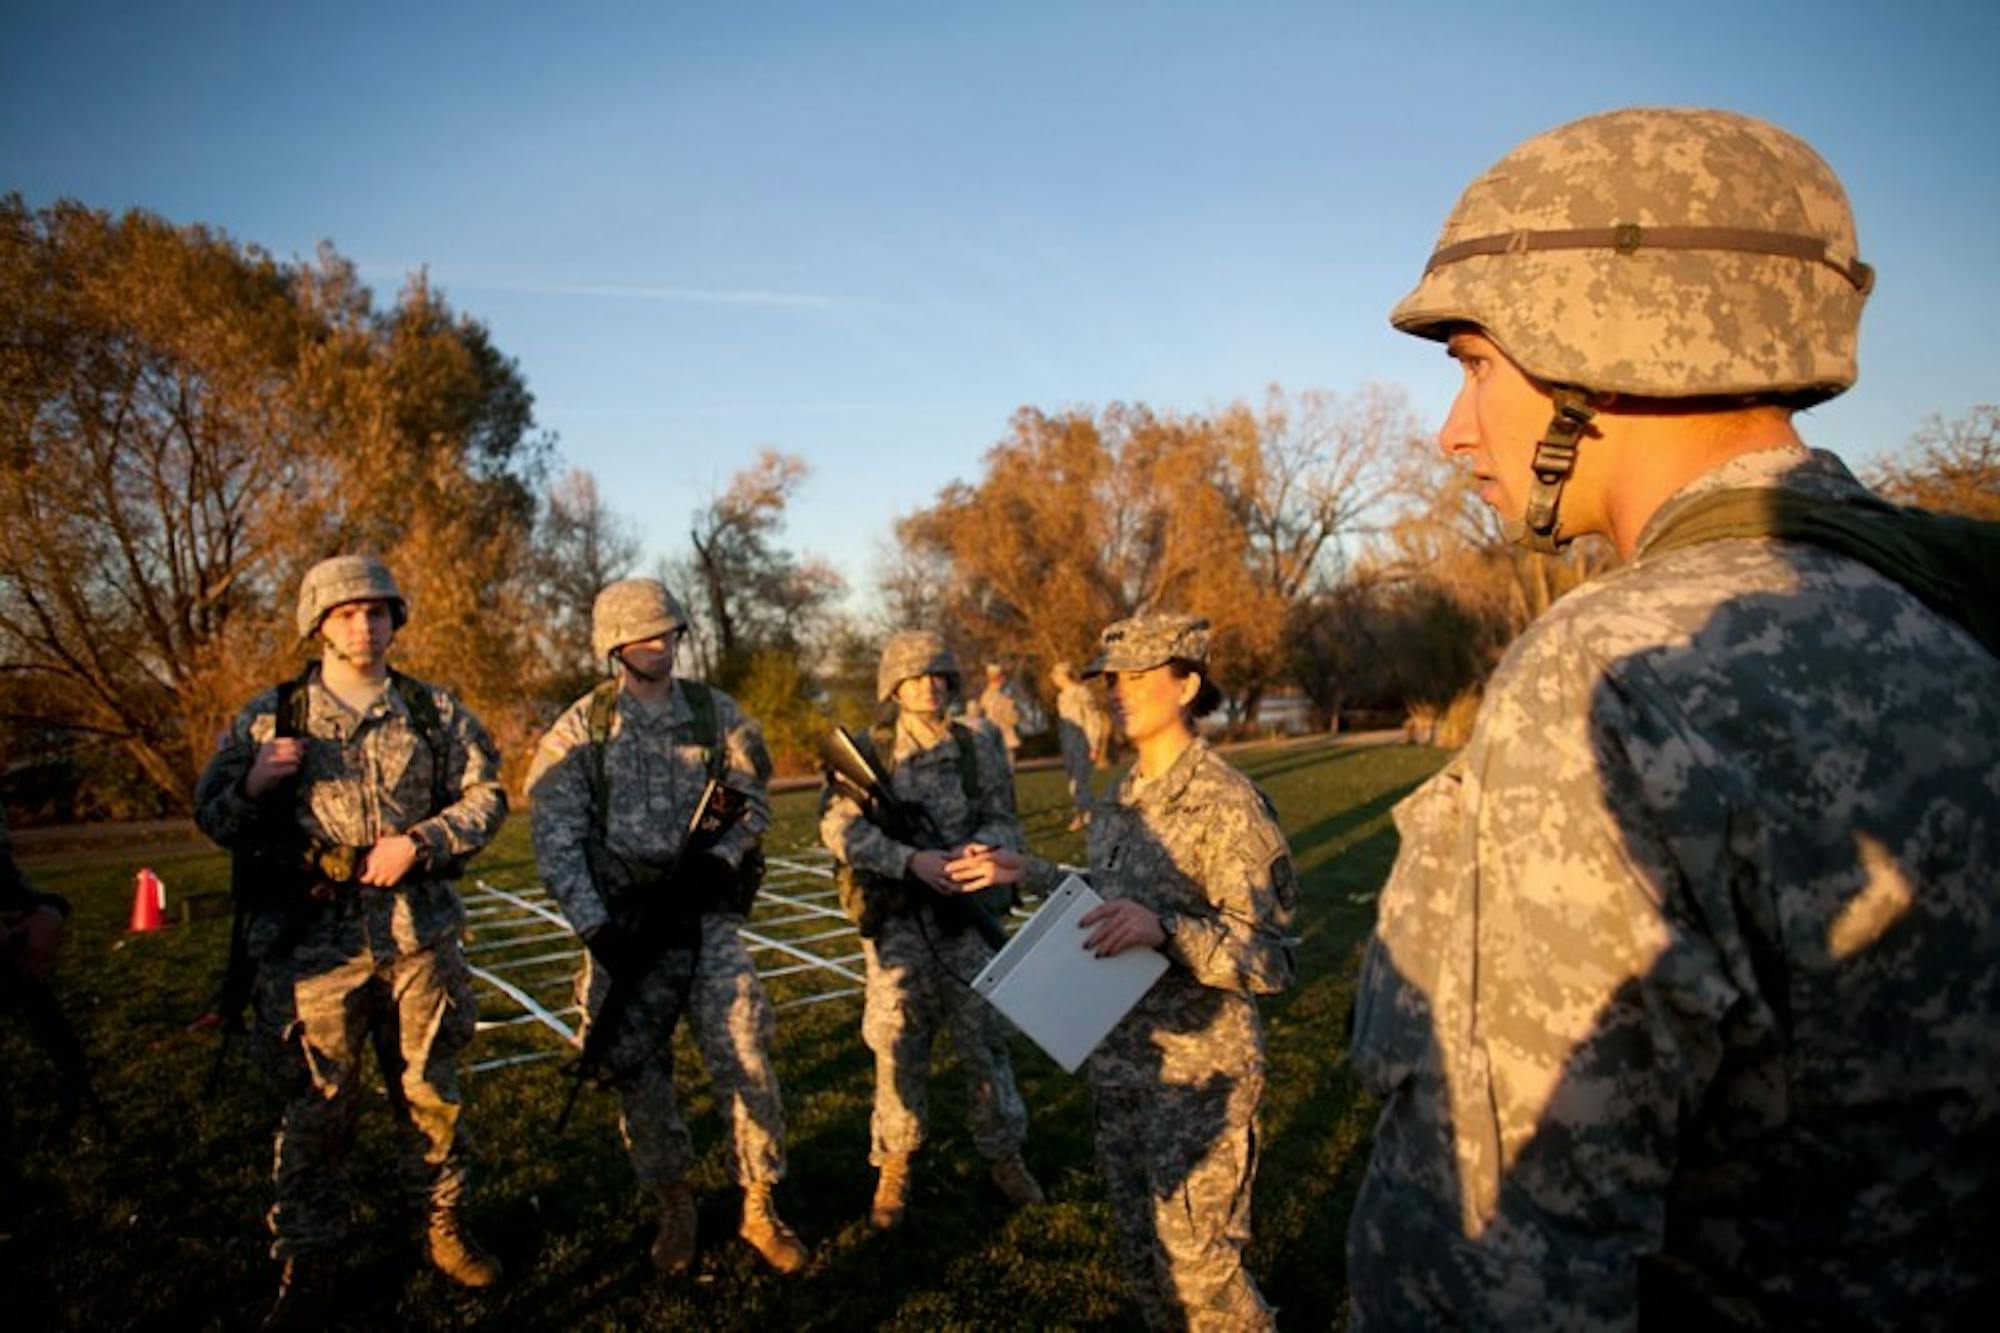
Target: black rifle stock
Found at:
860, 778
650, 922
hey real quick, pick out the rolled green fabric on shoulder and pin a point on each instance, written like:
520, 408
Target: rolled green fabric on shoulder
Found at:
1949, 562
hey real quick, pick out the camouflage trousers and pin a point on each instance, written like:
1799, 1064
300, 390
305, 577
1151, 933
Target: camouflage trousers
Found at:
1178, 1163
733, 1025
912, 992
1077, 767
316, 1016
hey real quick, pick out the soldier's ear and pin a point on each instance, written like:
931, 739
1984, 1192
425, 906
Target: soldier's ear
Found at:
1190, 687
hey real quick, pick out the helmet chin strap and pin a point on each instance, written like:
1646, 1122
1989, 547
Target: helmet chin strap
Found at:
650, 677
331, 649
1555, 458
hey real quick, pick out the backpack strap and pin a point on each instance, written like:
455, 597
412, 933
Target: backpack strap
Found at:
1947, 561
603, 706
707, 734
293, 706
879, 745
422, 708
881, 742
968, 763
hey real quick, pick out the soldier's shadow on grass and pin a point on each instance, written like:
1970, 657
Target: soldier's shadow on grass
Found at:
1322, 755
1338, 825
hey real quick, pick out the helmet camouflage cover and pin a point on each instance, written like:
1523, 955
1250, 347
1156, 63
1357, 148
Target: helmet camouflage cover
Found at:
1659, 252
343, 579
631, 610
913, 652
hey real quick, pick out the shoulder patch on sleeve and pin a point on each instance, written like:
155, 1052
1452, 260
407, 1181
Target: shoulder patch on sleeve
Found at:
1263, 843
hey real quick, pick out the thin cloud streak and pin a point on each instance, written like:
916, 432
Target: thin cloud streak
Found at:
377, 273
674, 295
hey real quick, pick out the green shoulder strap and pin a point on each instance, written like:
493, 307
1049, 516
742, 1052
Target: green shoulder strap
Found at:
968, 763
879, 745
423, 711
701, 702
1948, 562
289, 716
881, 742
604, 705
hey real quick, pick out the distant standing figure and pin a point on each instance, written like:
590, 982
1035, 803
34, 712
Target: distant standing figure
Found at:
1081, 730
1002, 709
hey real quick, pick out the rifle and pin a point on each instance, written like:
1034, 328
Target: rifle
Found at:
271, 871
652, 920
856, 774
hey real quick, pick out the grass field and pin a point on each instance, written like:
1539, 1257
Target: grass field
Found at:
160, 1226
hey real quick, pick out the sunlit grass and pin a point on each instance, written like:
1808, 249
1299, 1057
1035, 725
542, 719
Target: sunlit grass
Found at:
162, 1226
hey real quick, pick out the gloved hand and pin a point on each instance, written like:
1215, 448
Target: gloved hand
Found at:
613, 948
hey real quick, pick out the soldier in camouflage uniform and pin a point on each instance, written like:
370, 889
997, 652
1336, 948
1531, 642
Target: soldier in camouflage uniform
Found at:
1081, 729
387, 784
999, 706
655, 741
1191, 862
919, 968
1684, 1001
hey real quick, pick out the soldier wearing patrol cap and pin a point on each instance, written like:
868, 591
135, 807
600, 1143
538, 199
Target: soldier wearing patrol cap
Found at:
1684, 999
1190, 861
614, 785
920, 964
363, 790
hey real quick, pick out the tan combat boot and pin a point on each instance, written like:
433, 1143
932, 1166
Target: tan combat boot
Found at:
459, 1255
1010, 1173
673, 1247
892, 1192
767, 1232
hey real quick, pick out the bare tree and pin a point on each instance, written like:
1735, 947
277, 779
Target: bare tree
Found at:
1302, 474
753, 594
1952, 467
580, 546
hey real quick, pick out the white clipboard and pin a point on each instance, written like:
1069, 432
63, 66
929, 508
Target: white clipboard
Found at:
1052, 988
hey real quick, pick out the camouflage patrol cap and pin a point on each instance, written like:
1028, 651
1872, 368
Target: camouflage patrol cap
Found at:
1660, 252
913, 652
631, 610
1144, 642
343, 579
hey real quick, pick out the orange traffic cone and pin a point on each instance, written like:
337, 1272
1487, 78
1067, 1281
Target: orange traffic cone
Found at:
149, 900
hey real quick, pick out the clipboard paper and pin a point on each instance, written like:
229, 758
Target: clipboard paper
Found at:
1065, 998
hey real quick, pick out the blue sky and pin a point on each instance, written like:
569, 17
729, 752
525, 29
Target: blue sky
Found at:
867, 233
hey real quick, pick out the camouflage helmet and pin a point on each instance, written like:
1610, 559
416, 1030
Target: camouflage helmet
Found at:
631, 610
913, 652
1659, 252
343, 579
